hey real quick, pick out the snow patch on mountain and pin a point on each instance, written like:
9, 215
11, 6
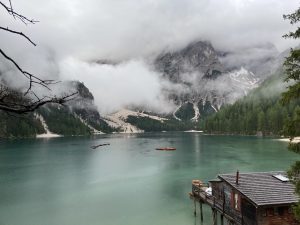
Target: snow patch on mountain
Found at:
48, 133
95, 131
197, 113
215, 108
245, 78
174, 113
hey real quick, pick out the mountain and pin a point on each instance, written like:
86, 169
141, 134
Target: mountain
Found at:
199, 57
84, 108
201, 81
78, 117
128, 121
261, 59
206, 79
258, 113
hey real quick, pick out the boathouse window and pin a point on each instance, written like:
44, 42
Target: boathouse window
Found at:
264, 213
236, 201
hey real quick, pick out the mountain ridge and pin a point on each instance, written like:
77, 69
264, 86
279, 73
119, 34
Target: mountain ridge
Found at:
204, 83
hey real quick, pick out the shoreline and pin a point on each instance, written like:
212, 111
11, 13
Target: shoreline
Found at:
53, 135
48, 135
294, 141
193, 131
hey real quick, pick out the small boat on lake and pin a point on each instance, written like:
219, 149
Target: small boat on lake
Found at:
96, 146
166, 149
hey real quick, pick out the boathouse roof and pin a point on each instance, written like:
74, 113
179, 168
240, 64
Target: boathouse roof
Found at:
263, 188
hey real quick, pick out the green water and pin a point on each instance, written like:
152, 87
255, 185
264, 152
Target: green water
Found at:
62, 181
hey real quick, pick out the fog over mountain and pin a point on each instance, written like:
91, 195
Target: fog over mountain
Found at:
72, 35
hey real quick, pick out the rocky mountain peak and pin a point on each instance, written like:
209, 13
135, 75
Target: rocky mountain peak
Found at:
205, 76
82, 90
198, 57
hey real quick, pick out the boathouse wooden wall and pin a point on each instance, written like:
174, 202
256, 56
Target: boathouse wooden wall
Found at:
248, 212
224, 195
245, 212
262, 198
282, 215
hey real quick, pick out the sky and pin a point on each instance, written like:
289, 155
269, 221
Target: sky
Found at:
72, 33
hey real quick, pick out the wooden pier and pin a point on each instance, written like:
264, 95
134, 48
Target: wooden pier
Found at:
202, 194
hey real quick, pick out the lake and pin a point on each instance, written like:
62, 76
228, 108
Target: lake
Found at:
62, 181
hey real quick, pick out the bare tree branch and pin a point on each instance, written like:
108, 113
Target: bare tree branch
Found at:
32, 78
11, 7
19, 33
22, 18
32, 106
13, 101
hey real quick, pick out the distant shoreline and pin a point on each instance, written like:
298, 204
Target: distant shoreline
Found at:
295, 140
193, 131
48, 135
53, 135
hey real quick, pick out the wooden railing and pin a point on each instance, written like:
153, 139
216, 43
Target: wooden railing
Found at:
199, 192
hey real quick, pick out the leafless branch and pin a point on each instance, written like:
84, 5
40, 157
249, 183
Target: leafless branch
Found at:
20, 108
32, 78
22, 18
19, 33
14, 101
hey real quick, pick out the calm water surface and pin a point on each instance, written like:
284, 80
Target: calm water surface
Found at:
62, 181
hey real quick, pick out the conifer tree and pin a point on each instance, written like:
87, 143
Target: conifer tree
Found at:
292, 68
292, 126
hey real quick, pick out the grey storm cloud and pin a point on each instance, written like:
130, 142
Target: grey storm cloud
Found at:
131, 28
127, 30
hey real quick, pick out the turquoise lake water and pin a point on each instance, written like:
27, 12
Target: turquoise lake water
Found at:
62, 181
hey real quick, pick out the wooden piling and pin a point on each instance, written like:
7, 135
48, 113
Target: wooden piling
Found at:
195, 212
201, 212
214, 212
222, 219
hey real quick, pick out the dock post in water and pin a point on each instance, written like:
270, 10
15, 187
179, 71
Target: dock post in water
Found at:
195, 211
201, 212
214, 212
222, 219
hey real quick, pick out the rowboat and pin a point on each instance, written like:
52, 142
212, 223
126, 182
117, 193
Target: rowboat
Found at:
166, 149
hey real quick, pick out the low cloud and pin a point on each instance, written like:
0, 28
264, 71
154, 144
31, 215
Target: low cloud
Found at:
72, 33
118, 86
128, 29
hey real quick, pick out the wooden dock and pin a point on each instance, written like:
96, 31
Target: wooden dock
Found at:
201, 194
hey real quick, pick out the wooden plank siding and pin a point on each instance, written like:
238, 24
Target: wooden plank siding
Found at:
250, 199
276, 216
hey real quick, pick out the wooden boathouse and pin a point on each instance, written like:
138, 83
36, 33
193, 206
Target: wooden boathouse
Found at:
264, 198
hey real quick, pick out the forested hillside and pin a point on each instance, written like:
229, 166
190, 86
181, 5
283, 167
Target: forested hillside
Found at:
259, 113
18, 126
61, 121
76, 117
151, 125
